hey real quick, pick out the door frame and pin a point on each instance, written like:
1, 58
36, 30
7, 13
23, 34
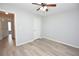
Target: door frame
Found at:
13, 15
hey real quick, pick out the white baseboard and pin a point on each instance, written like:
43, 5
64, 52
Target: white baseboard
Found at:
25, 42
60, 42
49, 39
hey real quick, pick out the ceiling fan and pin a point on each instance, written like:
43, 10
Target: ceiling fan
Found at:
44, 6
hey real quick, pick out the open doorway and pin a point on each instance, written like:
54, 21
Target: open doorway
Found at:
7, 27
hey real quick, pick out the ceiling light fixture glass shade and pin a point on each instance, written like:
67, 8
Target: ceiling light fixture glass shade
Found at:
43, 8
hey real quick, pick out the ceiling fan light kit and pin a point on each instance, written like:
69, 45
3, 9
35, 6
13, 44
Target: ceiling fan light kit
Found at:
43, 8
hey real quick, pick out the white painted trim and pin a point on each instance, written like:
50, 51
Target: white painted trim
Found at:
49, 39
60, 42
25, 42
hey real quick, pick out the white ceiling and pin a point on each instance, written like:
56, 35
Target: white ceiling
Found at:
52, 10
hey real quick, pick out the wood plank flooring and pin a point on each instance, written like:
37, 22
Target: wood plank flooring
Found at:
39, 47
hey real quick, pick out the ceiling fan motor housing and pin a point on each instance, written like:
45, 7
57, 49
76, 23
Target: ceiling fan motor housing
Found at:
43, 4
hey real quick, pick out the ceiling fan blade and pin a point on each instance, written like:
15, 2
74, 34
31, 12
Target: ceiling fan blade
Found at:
38, 9
51, 5
36, 4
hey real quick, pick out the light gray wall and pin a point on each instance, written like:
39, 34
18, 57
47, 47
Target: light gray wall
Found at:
24, 22
62, 27
25, 27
